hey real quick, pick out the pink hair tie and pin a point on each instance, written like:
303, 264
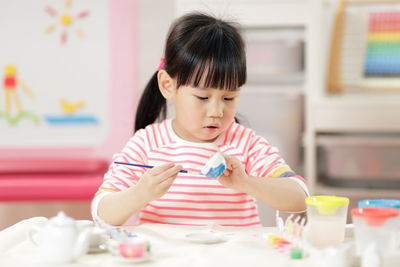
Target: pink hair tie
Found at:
161, 66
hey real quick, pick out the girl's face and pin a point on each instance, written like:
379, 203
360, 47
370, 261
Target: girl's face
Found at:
203, 114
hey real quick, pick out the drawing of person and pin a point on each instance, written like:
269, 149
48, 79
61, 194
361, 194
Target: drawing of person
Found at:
10, 86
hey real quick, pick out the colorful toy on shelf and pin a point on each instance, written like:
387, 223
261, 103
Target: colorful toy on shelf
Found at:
382, 49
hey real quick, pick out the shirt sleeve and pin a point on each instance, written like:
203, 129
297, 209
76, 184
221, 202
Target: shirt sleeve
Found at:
264, 160
118, 176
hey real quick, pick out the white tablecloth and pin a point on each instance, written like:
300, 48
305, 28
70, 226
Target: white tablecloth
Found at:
170, 247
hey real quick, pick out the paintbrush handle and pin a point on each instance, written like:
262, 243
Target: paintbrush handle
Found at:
141, 165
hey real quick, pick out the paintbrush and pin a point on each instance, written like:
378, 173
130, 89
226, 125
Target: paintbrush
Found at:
214, 167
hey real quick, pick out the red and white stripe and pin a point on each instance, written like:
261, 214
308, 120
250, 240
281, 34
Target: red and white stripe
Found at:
195, 199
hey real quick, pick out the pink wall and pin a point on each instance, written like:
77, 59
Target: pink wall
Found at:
123, 76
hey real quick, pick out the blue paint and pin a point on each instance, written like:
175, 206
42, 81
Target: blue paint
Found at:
216, 172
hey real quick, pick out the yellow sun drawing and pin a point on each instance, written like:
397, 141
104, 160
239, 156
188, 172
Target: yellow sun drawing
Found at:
65, 20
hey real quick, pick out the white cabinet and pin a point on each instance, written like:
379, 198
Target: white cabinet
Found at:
366, 118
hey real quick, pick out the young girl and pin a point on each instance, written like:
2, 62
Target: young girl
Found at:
203, 70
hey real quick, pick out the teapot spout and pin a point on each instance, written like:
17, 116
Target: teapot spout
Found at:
82, 243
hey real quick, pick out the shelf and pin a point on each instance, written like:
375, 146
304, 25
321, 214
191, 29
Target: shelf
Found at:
358, 139
349, 114
359, 99
277, 79
286, 89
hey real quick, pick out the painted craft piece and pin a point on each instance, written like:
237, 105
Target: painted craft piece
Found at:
215, 166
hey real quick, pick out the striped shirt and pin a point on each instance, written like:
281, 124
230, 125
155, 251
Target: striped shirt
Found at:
195, 199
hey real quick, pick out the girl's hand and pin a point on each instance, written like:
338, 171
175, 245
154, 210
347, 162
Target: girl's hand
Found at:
234, 175
155, 182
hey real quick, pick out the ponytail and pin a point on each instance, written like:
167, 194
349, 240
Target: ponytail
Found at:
152, 105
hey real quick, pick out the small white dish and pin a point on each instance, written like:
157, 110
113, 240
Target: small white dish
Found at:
205, 237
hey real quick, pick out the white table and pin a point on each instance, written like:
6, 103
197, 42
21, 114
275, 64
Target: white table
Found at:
170, 247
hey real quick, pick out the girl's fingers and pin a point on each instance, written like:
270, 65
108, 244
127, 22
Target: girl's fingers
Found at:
166, 183
172, 172
229, 161
160, 169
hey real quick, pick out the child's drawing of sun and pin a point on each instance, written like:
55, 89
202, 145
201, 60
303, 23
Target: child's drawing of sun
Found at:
66, 21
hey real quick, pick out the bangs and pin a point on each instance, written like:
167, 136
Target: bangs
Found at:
217, 61
208, 74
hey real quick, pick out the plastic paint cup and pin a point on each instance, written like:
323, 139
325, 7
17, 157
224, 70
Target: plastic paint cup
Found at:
375, 225
382, 203
326, 219
379, 203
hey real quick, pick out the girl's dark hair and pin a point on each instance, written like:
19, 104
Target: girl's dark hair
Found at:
201, 51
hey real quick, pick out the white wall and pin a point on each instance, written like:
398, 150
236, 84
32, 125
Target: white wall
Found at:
154, 18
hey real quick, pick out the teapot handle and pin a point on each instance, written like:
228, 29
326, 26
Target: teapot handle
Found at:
34, 229
82, 243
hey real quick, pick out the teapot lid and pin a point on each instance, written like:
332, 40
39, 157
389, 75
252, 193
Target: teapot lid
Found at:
61, 220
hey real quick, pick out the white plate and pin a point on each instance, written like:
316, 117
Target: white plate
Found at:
205, 237
145, 257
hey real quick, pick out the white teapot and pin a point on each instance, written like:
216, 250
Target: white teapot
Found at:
60, 239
